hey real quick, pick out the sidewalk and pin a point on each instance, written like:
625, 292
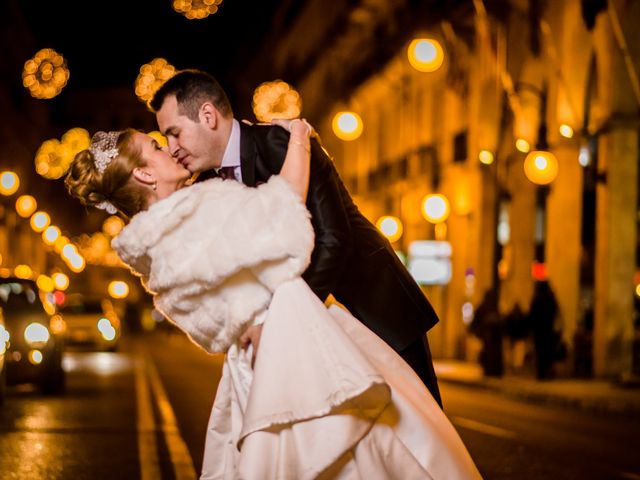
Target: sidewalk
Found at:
589, 394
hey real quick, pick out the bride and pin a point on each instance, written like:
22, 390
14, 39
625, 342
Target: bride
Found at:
322, 397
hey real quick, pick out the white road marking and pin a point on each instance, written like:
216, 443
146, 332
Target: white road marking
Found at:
483, 427
180, 457
147, 448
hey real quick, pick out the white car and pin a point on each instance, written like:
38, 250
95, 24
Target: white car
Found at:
91, 322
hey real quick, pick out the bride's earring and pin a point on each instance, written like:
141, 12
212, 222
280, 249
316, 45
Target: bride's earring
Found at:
155, 185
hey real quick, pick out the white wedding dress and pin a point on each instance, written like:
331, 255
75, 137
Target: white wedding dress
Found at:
328, 399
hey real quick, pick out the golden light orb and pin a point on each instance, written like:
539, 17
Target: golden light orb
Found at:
391, 227
541, 167
112, 225
51, 234
347, 125
522, 145
45, 283
118, 289
425, 54
26, 205
486, 157
39, 221
46, 74
76, 263
435, 208
9, 183
566, 131
60, 243
196, 9
60, 280
276, 99
23, 271
151, 77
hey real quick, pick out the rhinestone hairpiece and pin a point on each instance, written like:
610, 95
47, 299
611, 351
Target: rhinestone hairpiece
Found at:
104, 149
108, 206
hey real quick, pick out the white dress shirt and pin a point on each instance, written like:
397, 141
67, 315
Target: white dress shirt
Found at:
231, 157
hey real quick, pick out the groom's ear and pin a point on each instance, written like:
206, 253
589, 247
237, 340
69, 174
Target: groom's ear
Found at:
209, 115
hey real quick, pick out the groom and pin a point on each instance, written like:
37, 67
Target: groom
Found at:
350, 260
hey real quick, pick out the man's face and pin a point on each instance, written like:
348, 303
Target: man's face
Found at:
193, 144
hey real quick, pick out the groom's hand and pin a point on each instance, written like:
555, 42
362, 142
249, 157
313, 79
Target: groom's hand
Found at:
252, 336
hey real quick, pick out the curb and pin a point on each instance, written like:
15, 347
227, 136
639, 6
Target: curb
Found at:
608, 405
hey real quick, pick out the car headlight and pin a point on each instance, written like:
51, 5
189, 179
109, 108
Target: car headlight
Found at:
36, 334
4, 339
106, 329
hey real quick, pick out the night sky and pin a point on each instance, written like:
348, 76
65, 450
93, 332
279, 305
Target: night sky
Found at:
105, 43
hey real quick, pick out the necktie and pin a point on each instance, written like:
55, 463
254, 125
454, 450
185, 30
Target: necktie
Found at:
226, 173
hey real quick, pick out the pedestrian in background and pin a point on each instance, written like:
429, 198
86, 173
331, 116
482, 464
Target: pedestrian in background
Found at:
547, 338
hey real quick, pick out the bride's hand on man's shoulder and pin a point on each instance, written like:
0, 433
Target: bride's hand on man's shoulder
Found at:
299, 126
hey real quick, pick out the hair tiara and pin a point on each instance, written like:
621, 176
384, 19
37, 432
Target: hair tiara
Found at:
104, 148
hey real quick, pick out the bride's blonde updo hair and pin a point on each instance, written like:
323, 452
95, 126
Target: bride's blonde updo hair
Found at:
101, 176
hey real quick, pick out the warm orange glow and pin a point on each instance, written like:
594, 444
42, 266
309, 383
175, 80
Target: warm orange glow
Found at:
347, 125
45, 283
60, 243
276, 99
522, 145
112, 226
118, 289
435, 208
46, 74
539, 271
54, 157
425, 54
51, 234
26, 205
60, 280
39, 221
566, 131
151, 76
391, 227
9, 183
486, 157
196, 9
57, 325
23, 271
159, 137
541, 167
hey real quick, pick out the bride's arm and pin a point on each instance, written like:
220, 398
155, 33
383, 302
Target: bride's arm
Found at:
295, 168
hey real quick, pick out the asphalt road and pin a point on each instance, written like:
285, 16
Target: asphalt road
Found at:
142, 413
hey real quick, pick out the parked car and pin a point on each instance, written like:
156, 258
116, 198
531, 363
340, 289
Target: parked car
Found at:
90, 322
34, 340
4, 344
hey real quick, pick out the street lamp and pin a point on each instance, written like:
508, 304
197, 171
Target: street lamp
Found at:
391, 227
347, 125
9, 183
425, 54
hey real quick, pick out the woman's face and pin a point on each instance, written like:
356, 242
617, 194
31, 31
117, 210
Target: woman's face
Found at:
166, 171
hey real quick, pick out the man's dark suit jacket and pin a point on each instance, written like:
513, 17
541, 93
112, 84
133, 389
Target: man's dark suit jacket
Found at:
351, 259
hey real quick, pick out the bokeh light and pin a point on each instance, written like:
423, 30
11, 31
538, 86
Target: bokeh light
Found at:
9, 183
54, 157
196, 9
425, 54
46, 74
541, 167
26, 205
276, 99
347, 125
391, 227
151, 77
435, 208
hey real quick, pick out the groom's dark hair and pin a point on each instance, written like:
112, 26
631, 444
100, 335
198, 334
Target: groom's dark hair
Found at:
192, 88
